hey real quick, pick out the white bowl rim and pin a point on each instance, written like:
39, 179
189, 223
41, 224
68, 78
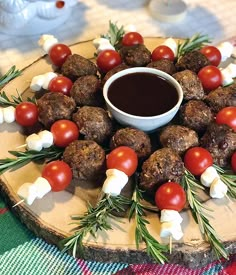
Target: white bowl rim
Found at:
165, 75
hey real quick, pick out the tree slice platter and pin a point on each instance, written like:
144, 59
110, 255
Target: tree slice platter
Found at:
49, 218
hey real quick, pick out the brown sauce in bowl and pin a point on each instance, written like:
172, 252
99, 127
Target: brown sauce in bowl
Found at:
142, 94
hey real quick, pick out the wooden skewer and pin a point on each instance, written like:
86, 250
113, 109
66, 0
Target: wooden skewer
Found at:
170, 243
19, 202
21, 146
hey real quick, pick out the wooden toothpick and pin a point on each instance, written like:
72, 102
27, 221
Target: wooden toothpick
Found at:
170, 243
19, 202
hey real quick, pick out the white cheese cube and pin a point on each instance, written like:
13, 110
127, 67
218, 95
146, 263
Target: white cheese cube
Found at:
103, 47
9, 114
170, 215
114, 182
46, 138
47, 78
226, 50
129, 28
27, 192
226, 77
218, 189
34, 142
98, 41
231, 69
46, 41
208, 176
171, 229
42, 187
37, 82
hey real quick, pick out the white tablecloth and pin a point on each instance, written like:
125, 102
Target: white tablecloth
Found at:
90, 19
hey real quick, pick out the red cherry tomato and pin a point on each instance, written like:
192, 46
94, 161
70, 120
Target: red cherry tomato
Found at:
107, 60
58, 54
163, 52
197, 160
227, 116
210, 77
26, 113
132, 38
60, 84
58, 173
233, 162
64, 132
212, 54
171, 196
123, 158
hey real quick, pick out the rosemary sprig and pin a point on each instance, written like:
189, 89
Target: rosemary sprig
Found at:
96, 218
190, 185
196, 42
229, 179
153, 247
9, 75
13, 100
114, 34
24, 157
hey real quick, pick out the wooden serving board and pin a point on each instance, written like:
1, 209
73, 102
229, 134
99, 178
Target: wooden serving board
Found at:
49, 217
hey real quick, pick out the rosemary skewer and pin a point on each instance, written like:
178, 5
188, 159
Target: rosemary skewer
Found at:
95, 219
25, 157
9, 75
190, 185
114, 34
5, 101
153, 247
196, 42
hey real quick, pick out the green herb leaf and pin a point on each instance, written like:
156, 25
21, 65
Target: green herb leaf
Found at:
12, 73
190, 184
114, 34
196, 42
24, 157
153, 247
95, 219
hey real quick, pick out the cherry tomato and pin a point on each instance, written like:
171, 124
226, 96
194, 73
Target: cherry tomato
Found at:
26, 113
210, 77
212, 54
58, 173
58, 54
171, 196
60, 84
227, 116
197, 160
163, 52
107, 60
132, 38
233, 162
123, 158
64, 132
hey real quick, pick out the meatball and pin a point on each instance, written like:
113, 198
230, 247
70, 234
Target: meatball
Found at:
163, 165
94, 123
133, 138
178, 138
86, 159
76, 66
86, 90
196, 115
54, 106
135, 56
117, 69
193, 61
191, 84
220, 141
164, 65
221, 97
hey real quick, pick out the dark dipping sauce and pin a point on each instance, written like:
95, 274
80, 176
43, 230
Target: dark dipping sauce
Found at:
142, 94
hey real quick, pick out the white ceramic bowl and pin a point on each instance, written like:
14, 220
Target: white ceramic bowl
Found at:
145, 123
